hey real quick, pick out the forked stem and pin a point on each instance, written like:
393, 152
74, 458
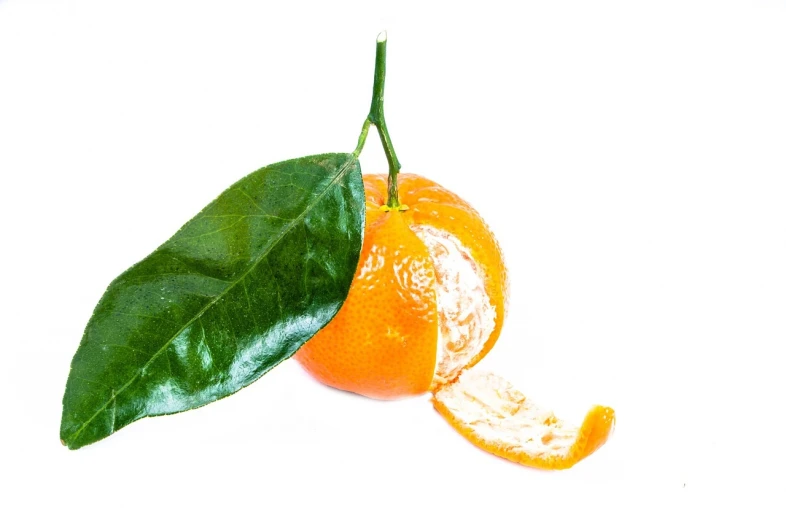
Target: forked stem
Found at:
376, 117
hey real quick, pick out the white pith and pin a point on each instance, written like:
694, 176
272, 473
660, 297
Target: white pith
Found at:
466, 317
502, 416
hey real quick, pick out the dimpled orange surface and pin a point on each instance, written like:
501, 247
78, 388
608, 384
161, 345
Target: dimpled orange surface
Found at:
427, 300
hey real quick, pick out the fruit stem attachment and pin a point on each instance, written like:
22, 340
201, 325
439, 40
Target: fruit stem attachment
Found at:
376, 117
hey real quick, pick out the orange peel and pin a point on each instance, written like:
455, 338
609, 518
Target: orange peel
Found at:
494, 416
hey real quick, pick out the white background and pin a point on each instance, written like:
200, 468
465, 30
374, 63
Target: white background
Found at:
628, 155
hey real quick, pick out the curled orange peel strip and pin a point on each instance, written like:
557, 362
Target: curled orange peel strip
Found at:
494, 416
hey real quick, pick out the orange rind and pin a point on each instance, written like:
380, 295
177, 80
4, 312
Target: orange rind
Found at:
489, 412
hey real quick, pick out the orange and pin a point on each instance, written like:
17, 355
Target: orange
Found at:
430, 285
428, 302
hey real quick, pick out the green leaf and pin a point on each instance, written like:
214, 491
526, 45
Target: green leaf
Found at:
233, 293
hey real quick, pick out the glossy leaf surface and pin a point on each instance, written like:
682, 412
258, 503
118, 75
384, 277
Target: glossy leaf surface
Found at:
234, 292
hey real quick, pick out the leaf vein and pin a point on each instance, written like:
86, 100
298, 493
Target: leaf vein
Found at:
203, 235
146, 316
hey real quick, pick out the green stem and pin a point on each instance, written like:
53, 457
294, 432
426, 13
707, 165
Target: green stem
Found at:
376, 117
362, 138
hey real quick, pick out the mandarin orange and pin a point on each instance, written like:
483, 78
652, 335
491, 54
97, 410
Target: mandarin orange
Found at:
427, 303
428, 298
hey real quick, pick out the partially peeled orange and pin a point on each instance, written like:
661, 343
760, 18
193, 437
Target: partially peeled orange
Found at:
427, 303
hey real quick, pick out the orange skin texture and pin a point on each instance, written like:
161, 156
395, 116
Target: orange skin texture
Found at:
383, 341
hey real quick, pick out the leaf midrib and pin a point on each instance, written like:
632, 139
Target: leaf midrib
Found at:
297, 220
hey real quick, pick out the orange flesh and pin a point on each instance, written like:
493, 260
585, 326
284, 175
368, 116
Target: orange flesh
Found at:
466, 316
435, 206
